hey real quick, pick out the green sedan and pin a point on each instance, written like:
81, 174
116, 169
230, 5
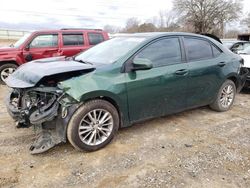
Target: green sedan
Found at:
131, 78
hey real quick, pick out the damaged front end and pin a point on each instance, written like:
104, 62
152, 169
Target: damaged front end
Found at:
48, 109
36, 100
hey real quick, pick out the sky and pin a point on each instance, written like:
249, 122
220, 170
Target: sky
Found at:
49, 14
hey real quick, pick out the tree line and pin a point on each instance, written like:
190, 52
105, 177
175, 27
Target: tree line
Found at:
198, 16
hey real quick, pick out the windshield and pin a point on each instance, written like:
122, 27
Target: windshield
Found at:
21, 40
110, 51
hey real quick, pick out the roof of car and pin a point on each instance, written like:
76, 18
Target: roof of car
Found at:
153, 34
233, 41
67, 30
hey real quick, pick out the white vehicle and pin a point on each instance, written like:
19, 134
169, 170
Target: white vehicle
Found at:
245, 54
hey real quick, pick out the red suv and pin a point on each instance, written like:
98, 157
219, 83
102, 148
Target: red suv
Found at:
49, 43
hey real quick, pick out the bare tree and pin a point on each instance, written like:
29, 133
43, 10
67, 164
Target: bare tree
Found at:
246, 21
167, 18
208, 15
146, 27
168, 21
111, 29
132, 25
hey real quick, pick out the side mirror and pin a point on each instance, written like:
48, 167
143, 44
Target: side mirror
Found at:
141, 64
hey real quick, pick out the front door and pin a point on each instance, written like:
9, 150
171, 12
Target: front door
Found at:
42, 46
160, 90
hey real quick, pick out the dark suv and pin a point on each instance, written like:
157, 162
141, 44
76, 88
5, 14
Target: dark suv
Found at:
47, 43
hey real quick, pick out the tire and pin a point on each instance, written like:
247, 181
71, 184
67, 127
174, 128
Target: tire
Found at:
225, 97
5, 71
77, 128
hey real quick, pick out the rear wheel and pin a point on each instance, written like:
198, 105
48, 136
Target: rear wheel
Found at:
5, 71
93, 125
225, 97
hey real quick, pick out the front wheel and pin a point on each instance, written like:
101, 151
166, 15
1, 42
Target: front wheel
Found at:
5, 71
225, 97
93, 125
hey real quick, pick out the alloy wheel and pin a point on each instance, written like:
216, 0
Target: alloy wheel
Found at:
6, 72
95, 127
227, 96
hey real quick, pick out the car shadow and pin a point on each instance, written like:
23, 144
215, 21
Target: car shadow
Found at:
245, 91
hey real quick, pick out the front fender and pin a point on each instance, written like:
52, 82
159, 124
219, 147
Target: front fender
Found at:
113, 99
11, 58
91, 86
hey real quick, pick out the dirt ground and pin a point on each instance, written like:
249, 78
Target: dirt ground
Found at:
196, 148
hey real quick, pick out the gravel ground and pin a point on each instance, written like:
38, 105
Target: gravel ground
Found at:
196, 148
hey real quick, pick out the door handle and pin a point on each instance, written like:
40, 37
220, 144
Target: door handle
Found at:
221, 64
181, 72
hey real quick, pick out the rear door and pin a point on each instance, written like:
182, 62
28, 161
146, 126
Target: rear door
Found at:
42, 46
73, 43
205, 65
162, 89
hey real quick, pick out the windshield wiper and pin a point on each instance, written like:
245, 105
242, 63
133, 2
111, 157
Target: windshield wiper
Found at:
81, 61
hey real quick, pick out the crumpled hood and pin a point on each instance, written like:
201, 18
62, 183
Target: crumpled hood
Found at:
29, 74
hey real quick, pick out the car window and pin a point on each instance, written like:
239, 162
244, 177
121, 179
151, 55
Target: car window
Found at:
163, 52
246, 50
216, 51
197, 49
245, 45
22, 40
44, 41
95, 38
238, 46
73, 39
110, 51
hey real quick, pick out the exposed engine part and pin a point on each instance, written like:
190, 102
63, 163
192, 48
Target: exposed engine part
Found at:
21, 125
45, 113
34, 106
46, 108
